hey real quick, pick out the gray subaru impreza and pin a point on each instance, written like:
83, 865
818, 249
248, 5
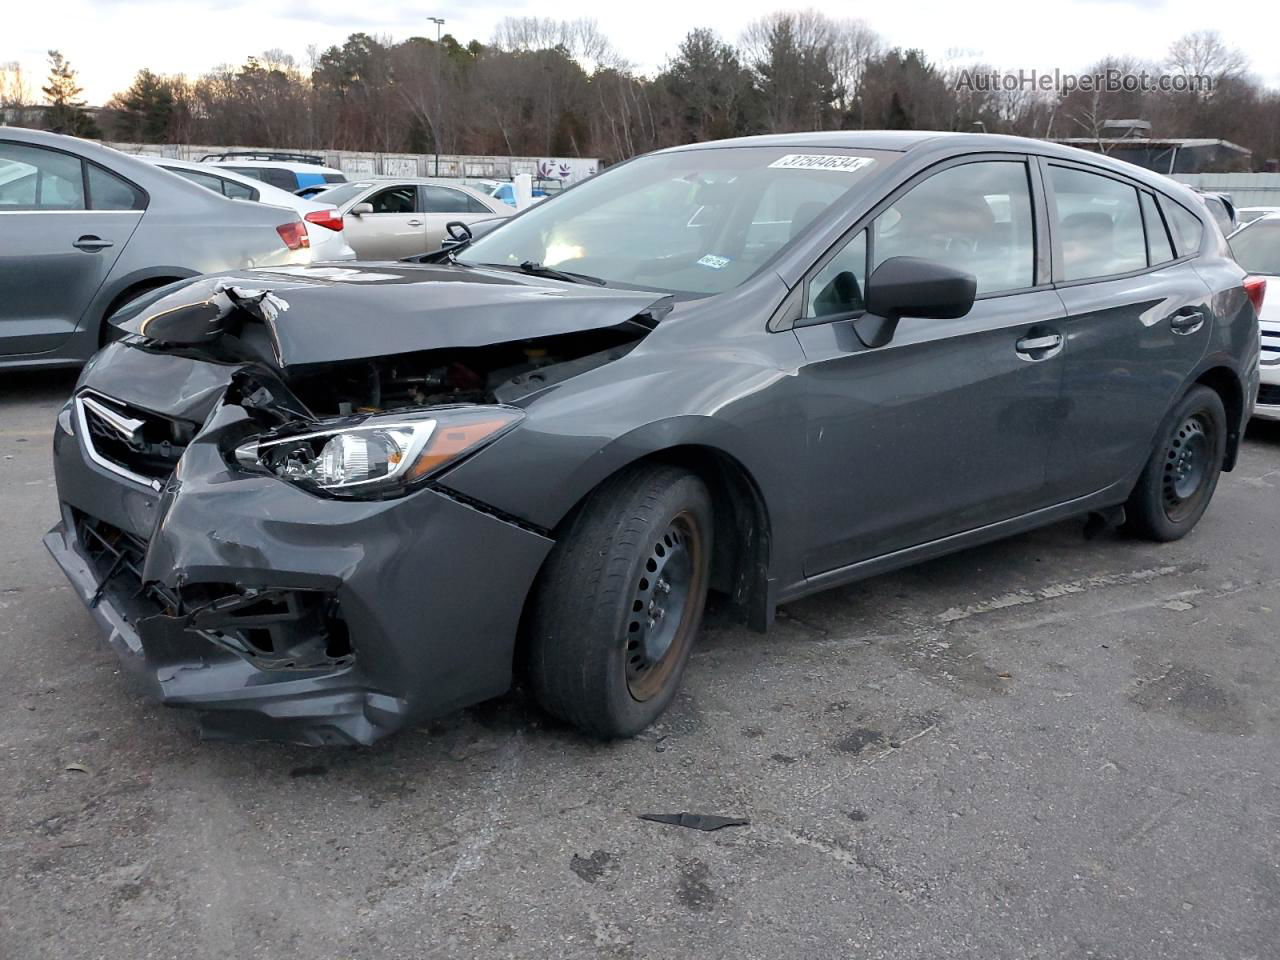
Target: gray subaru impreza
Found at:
319, 503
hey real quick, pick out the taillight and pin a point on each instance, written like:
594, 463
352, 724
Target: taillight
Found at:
294, 235
1256, 288
329, 219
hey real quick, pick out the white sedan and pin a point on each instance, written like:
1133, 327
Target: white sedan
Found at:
390, 219
324, 224
1256, 247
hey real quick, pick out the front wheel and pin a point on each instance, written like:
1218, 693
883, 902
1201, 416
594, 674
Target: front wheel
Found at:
1178, 481
620, 601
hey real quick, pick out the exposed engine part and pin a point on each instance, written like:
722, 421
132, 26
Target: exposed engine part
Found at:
504, 373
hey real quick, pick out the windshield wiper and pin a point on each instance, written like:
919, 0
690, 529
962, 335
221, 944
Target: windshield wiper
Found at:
535, 269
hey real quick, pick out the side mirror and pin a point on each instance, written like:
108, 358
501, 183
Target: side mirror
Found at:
360, 209
913, 287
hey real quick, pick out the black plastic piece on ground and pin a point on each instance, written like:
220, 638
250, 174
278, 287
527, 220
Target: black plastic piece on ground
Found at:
696, 821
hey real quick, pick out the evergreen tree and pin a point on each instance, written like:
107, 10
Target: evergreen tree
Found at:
66, 112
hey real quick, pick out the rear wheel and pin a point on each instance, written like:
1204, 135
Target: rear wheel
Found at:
620, 601
1178, 481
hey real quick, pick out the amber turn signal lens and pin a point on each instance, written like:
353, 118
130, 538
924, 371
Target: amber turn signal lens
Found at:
454, 436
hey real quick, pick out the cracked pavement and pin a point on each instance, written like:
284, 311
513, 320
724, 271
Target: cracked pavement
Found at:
1047, 747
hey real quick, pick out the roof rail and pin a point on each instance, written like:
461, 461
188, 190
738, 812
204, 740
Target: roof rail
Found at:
280, 155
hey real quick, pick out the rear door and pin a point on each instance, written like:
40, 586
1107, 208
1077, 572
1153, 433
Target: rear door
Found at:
441, 205
63, 224
948, 426
1138, 320
395, 229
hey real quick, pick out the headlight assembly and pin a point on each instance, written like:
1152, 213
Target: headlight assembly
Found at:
378, 455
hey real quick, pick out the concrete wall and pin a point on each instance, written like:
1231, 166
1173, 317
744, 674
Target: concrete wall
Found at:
1246, 189
356, 164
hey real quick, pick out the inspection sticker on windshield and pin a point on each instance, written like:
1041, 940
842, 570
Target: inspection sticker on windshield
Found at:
822, 161
714, 262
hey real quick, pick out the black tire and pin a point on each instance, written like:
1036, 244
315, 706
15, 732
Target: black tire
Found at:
620, 600
1178, 481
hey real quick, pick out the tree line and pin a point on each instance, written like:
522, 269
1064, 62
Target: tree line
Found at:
559, 88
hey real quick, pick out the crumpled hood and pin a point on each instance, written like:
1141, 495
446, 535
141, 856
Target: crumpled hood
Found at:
325, 313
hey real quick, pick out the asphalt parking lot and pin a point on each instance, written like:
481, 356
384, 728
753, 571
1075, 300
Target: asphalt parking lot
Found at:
1049, 747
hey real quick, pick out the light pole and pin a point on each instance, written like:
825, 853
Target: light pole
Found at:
435, 134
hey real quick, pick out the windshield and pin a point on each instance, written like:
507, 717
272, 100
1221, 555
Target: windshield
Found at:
695, 221
1257, 248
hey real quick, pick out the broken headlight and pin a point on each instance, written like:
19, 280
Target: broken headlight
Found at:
379, 454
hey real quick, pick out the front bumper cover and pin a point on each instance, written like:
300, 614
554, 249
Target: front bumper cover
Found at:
431, 590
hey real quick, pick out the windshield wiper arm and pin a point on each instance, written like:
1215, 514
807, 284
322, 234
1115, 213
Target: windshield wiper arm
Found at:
533, 268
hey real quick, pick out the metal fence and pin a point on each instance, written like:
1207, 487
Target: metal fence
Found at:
356, 164
1246, 189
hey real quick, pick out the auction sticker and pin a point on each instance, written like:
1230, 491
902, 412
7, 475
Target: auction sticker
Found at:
821, 161
714, 262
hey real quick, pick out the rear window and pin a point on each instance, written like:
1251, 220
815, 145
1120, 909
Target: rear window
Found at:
1257, 247
334, 178
1099, 224
343, 193
284, 179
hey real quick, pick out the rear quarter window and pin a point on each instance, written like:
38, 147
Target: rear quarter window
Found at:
1188, 230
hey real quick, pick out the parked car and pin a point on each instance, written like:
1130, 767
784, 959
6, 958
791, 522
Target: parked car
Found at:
506, 192
1256, 247
1246, 215
391, 218
86, 229
1222, 208
290, 174
403, 483
324, 223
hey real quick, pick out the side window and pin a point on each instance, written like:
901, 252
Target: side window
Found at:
109, 192
237, 191
837, 287
1099, 224
443, 200
975, 217
475, 206
1159, 247
1188, 231
254, 172
394, 200
33, 178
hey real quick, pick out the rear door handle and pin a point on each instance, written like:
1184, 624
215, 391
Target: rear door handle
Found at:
1188, 322
1039, 348
415, 223
92, 244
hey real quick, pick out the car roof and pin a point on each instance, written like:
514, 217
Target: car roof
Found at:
277, 164
946, 143
266, 192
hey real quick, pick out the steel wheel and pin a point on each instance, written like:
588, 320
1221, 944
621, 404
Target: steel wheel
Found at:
663, 620
1187, 466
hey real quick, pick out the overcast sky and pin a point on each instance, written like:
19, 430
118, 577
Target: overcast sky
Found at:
107, 41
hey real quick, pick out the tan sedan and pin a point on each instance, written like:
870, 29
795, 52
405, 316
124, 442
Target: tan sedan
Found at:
387, 219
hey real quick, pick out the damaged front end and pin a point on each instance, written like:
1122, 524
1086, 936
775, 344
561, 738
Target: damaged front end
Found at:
250, 495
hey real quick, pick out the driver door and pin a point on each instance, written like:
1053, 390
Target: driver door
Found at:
947, 427
396, 228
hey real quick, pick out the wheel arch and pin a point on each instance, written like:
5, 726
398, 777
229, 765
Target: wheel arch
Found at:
1224, 381
112, 298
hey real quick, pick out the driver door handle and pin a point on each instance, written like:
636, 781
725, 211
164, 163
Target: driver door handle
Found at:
92, 244
414, 223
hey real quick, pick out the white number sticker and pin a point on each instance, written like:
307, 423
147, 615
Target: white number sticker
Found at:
821, 161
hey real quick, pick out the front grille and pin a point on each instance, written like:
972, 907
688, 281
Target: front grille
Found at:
137, 444
117, 557
1269, 394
